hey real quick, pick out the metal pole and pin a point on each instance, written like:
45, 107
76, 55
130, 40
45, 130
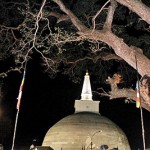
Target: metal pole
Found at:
14, 136
93, 136
91, 144
141, 110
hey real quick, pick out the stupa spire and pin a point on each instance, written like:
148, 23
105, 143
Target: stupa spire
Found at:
86, 103
86, 89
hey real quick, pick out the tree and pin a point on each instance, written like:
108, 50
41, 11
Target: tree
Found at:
70, 35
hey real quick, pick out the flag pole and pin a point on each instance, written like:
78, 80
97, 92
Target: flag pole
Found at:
12, 148
139, 101
18, 106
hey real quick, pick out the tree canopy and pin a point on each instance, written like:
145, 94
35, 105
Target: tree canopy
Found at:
71, 36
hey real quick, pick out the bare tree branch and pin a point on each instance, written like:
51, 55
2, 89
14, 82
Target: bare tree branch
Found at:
121, 49
128, 54
138, 7
98, 12
125, 93
78, 24
111, 11
60, 17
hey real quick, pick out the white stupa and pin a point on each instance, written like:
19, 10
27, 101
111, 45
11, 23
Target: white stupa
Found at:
86, 103
86, 128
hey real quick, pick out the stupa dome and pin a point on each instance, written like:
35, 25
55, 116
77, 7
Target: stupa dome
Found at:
86, 129
78, 130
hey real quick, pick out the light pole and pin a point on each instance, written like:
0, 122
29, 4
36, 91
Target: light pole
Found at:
93, 136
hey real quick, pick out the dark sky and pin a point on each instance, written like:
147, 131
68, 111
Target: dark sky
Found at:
45, 101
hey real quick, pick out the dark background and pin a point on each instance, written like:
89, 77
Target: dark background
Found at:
45, 101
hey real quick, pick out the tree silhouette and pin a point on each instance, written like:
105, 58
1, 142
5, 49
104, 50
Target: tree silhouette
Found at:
70, 36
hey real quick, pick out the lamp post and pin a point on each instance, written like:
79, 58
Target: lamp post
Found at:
93, 136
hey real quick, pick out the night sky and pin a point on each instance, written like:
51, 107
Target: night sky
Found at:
45, 101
